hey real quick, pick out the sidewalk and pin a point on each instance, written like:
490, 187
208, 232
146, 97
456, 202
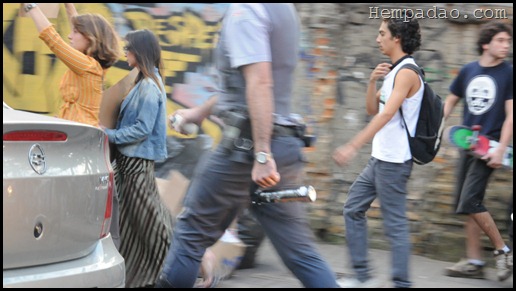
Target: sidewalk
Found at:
270, 272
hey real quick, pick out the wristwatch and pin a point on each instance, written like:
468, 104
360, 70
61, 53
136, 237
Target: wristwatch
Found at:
262, 157
29, 6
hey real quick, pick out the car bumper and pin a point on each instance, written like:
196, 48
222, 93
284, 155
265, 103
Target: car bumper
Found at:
104, 267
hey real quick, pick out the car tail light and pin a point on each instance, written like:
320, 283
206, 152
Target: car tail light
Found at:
106, 224
35, 135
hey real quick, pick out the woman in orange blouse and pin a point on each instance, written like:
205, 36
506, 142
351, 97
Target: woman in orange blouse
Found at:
93, 48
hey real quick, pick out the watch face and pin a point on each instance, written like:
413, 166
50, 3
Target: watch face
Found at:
29, 7
261, 158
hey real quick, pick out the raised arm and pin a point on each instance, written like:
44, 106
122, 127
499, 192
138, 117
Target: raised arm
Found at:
37, 16
71, 12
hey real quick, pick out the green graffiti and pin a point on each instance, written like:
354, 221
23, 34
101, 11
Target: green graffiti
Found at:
435, 74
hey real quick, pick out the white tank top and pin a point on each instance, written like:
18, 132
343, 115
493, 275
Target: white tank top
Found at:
390, 144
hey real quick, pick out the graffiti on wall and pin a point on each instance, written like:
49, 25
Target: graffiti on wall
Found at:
187, 34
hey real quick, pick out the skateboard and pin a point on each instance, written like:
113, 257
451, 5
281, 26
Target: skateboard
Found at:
474, 143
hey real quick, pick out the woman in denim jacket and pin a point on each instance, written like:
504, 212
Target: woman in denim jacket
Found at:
140, 139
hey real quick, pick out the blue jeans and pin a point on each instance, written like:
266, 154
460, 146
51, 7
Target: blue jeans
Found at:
388, 182
219, 192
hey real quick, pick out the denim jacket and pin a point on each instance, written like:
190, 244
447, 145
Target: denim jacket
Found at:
141, 129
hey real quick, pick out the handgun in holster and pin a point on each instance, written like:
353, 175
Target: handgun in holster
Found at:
237, 131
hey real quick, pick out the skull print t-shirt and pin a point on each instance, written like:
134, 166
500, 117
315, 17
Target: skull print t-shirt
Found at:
484, 91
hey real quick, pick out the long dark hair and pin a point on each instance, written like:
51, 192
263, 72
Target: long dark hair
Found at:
145, 46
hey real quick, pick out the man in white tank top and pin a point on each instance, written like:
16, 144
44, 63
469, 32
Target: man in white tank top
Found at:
387, 172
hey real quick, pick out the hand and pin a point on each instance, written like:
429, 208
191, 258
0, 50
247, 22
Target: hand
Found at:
265, 175
494, 159
175, 121
344, 154
185, 116
208, 264
380, 71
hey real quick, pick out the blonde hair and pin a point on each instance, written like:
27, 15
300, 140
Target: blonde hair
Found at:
104, 44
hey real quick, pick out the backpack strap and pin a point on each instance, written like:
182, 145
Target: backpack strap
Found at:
421, 73
415, 68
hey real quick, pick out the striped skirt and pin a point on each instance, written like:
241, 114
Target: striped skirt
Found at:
145, 221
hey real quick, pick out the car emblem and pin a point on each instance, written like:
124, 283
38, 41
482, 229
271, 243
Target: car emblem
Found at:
37, 159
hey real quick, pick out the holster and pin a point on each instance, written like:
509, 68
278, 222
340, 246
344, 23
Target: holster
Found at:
237, 133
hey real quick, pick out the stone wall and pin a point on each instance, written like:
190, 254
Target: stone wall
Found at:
338, 53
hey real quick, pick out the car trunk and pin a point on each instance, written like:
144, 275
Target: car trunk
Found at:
54, 192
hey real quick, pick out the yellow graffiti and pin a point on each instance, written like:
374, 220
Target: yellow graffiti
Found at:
177, 62
142, 20
32, 73
35, 92
190, 31
186, 30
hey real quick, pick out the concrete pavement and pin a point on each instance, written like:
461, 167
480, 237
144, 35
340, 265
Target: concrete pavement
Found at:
270, 272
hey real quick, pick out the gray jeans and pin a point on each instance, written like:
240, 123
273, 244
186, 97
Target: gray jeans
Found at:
219, 192
388, 182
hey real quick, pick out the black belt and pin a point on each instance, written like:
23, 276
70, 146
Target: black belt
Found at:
245, 142
282, 130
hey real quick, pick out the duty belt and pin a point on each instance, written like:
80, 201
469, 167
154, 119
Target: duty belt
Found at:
277, 130
282, 130
245, 143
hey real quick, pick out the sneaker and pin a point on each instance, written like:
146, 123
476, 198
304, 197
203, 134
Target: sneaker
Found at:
355, 283
503, 264
465, 269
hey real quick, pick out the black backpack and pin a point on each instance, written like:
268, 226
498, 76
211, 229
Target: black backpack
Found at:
430, 124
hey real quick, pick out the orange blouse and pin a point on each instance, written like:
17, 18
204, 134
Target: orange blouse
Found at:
81, 86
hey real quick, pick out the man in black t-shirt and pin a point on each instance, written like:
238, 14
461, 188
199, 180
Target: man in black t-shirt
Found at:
485, 86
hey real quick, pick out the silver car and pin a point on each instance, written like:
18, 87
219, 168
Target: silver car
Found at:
57, 202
